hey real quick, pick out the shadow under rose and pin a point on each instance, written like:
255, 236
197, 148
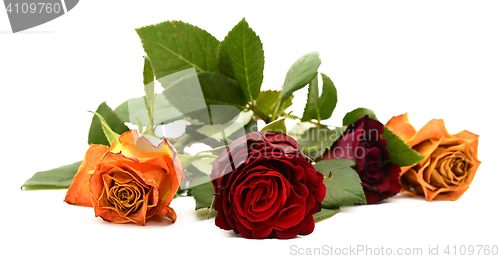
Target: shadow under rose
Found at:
202, 214
231, 234
158, 221
399, 198
153, 221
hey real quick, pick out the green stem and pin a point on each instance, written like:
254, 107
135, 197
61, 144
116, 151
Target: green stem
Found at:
276, 109
290, 116
182, 142
260, 114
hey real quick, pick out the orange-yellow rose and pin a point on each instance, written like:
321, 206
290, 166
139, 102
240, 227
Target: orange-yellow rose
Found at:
130, 181
450, 161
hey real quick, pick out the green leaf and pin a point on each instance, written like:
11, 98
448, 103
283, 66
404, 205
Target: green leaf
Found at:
251, 127
328, 99
298, 76
231, 127
147, 73
149, 88
203, 192
224, 62
311, 110
300, 73
276, 126
173, 46
352, 116
244, 49
299, 129
218, 91
401, 154
140, 127
267, 99
314, 141
111, 136
122, 111
57, 178
135, 108
320, 108
324, 214
192, 136
186, 159
344, 187
204, 165
116, 125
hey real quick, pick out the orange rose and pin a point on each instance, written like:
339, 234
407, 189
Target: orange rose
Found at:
129, 181
450, 161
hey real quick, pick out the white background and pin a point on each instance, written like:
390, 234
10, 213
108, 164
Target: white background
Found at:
432, 59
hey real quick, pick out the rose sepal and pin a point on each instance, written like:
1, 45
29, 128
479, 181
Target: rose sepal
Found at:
110, 134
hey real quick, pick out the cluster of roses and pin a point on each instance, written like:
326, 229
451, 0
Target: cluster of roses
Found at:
264, 185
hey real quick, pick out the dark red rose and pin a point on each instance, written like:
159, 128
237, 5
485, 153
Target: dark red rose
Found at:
362, 143
265, 187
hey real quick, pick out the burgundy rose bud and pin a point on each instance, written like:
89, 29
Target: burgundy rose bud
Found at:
362, 143
265, 187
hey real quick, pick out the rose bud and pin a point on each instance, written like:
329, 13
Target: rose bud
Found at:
129, 181
362, 143
266, 188
450, 162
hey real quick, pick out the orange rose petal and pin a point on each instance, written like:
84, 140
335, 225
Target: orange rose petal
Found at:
144, 144
103, 200
434, 129
426, 148
425, 178
153, 198
469, 153
437, 180
409, 179
96, 186
465, 134
136, 173
472, 172
107, 180
404, 170
452, 195
169, 180
428, 173
167, 212
465, 146
430, 194
107, 212
133, 145
139, 216
152, 169
128, 137
121, 176
178, 169
109, 215
423, 173
139, 171
130, 150
78, 192
401, 126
